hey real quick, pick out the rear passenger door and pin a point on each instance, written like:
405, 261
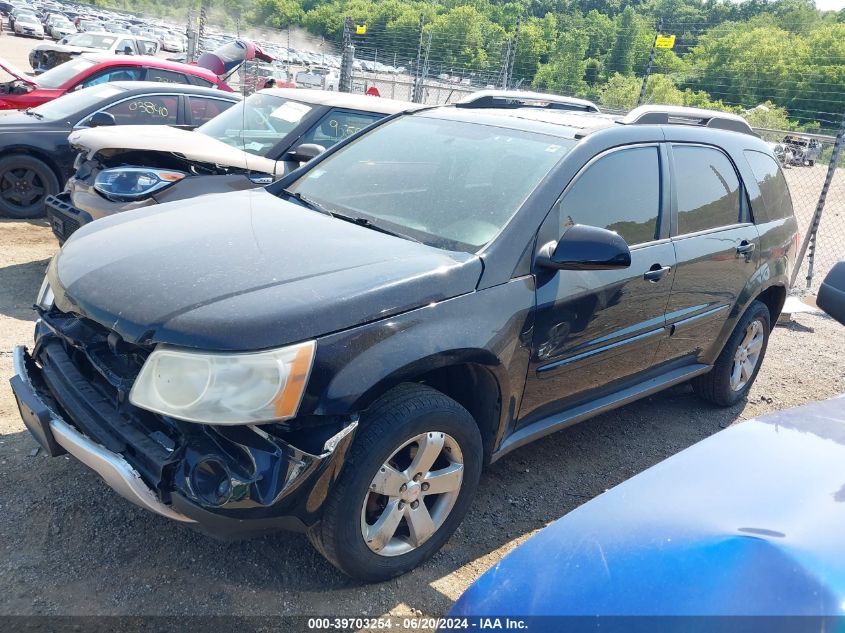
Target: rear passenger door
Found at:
596, 331
716, 247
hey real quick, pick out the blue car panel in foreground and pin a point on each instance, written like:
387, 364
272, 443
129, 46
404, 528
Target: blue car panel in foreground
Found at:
749, 522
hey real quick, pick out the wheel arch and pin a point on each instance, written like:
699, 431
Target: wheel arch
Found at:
773, 297
470, 377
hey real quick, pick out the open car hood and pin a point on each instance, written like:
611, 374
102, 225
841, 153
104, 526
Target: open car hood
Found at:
16, 73
226, 58
162, 138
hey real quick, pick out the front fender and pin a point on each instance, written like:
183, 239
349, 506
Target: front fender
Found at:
490, 328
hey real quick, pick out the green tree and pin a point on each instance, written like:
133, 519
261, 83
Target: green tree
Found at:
621, 59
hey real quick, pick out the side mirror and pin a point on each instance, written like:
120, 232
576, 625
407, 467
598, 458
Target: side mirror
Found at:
586, 248
99, 119
831, 297
305, 152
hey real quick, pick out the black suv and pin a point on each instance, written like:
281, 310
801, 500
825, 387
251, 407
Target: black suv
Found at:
341, 352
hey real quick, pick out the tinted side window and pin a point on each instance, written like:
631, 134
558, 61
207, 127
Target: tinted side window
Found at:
113, 74
146, 110
619, 192
166, 76
204, 109
777, 203
336, 126
708, 189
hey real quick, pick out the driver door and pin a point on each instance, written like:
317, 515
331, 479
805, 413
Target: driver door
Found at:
596, 330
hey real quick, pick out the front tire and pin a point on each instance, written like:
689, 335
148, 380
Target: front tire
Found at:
406, 485
739, 363
25, 183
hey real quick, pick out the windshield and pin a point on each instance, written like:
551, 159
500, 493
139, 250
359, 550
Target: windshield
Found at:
76, 102
63, 73
256, 125
449, 184
27, 18
91, 40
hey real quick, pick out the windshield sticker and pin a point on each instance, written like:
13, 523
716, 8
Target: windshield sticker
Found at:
290, 111
316, 173
553, 148
254, 146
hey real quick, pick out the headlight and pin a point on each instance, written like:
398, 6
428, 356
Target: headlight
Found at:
224, 388
45, 296
134, 183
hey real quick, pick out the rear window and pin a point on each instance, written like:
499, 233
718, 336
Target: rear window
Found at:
777, 203
708, 189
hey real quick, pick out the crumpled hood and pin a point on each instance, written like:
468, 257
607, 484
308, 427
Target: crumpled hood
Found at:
163, 138
244, 271
70, 50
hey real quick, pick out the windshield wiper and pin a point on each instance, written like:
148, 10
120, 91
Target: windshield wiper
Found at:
307, 202
365, 222
369, 224
32, 112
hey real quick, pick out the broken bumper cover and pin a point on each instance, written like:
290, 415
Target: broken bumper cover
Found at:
232, 484
65, 219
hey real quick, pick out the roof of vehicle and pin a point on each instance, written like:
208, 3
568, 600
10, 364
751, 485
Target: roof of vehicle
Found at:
145, 86
576, 125
148, 60
334, 99
522, 98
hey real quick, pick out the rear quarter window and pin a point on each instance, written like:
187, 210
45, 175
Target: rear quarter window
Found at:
776, 199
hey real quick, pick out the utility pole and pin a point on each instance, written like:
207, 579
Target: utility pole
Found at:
641, 98
417, 92
348, 58
512, 62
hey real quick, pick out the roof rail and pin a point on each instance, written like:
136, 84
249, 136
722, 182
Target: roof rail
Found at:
681, 115
503, 99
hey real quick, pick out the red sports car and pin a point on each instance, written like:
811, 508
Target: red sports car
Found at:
24, 91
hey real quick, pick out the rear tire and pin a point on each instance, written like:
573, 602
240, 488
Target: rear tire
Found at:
353, 533
25, 183
739, 363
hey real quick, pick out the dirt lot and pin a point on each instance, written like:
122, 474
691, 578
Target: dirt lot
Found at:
71, 546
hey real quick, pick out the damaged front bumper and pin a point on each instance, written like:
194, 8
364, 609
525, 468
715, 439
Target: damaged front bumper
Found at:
229, 481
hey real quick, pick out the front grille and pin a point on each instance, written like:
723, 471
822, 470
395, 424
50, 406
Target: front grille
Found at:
98, 353
89, 371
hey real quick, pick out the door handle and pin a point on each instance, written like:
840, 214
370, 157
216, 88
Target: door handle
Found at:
656, 272
745, 248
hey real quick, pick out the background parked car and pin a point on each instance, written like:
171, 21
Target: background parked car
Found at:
245, 147
28, 25
59, 26
90, 70
319, 78
36, 158
46, 56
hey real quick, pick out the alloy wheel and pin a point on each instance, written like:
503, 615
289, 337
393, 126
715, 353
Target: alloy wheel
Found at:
21, 187
412, 494
747, 355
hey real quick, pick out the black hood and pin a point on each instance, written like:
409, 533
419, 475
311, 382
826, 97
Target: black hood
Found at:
244, 271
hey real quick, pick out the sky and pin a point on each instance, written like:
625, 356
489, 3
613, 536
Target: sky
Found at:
830, 5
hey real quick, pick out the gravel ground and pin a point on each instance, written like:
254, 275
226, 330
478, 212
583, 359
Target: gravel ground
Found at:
72, 546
